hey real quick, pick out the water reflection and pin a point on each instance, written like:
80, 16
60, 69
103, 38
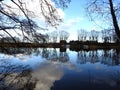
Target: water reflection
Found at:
14, 77
109, 57
46, 75
50, 69
54, 55
23, 77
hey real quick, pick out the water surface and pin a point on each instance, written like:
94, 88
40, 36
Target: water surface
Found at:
50, 69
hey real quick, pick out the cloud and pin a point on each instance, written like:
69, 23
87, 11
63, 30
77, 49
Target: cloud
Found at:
70, 23
61, 13
33, 8
34, 11
74, 20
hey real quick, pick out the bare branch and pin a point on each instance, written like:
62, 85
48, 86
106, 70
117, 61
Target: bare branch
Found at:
12, 20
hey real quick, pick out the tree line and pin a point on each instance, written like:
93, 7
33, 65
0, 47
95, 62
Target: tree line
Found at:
105, 36
107, 10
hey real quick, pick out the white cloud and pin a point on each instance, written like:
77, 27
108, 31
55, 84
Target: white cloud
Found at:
70, 23
34, 8
34, 11
61, 13
75, 20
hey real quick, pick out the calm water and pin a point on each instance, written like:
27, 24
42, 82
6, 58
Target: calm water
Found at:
50, 69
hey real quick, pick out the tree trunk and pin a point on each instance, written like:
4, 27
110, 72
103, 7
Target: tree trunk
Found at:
115, 22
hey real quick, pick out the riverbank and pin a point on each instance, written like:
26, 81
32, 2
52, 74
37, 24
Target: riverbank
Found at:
63, 45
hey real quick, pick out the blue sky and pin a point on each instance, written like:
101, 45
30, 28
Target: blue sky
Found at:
75, 9
75, 19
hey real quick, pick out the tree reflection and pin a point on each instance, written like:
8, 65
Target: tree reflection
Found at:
93, 55
116, 57
45, 53
63, 57
14, 77
106, 57
109, 57
22, 77
81, 57
55, 56
13, 51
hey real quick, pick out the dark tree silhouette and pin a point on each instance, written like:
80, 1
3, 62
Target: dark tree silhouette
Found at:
114, 18
109, 10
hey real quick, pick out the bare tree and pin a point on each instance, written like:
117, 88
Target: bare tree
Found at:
94, 35
54, 36
82, 35
105, 35
109, 10
63, 35
20, 16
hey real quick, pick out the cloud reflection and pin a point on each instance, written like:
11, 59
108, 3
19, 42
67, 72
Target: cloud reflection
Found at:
46, 75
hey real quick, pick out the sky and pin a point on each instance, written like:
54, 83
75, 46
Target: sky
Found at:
74, 17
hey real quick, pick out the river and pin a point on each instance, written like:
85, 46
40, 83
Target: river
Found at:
50, 69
